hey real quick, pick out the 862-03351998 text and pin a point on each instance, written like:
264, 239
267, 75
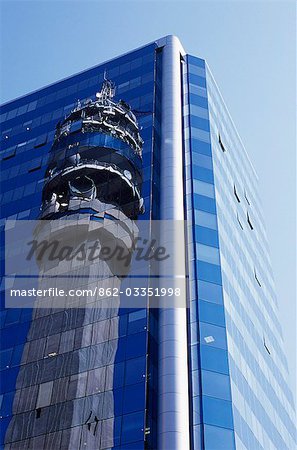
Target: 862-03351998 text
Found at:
98, 291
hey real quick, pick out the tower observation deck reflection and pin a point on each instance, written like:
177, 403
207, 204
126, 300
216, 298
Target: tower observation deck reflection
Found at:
92, 194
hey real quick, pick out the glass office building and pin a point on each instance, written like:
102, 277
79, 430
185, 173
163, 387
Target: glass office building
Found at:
145, 136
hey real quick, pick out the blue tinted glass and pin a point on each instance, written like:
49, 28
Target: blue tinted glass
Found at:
137, 315
206, 236
136, 345
196, 79
208, 254
5, 357
131, 446
198, 101
135, 370
205, 219
196, 70
134, 398
214, 359
2, 316
8, 382
209, 272
123, 325
26, 315
202, 160
3, 428
210, 292
137, 321
201, 135
17, 355
200, 123
195, 61
6, 404
202, 188
216, 438
217, 412
200, 147
118, 375
76, 126
200, 173
14, 335
204, 203
120, 355
212, 335
132, 427
13, 316
118, 398
211, 313
216, 385
41, 140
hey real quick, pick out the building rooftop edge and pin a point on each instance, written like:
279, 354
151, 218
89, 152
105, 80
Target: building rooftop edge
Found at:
159, 42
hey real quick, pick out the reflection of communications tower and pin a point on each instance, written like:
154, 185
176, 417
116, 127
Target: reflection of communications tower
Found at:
96, 158
92, 193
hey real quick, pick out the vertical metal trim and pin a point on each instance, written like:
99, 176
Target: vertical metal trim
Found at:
173, 400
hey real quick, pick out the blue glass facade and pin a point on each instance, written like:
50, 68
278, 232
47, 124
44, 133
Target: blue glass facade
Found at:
210, 377
241, 398
263, 406
111, 346
238, 392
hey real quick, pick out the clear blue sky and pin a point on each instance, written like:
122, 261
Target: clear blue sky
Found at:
251, 49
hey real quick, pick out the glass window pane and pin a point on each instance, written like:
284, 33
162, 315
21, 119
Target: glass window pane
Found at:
137, 321
217, 412
216, 385
196, 133
197, 70
214, 359
202, 188
5, 357
136, 345
134, 398
41, 140
212, 335
202, 160
200, 123
114, 376
198, 146
135, 370
208, 254
211, 313
218, 438
44, 394
209, 272
205, 219
196, 99
206, 236
210, 292
206, 204
197, 79
111, 432
202, 174
197, 110
132, 427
